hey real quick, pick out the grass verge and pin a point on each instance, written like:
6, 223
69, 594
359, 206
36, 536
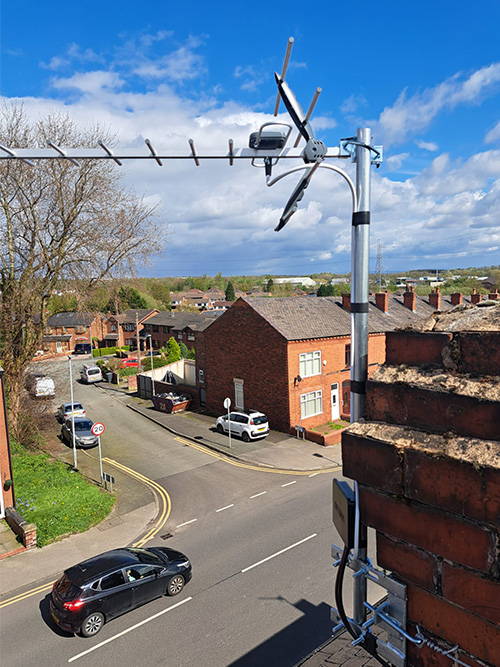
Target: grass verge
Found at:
56, 500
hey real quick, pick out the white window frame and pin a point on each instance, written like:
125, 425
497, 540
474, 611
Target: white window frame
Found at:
239, 397
201, 376
314, 398
310, 364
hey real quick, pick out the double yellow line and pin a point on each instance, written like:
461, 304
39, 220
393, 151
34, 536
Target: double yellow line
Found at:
164, 513
164, 498
249, 466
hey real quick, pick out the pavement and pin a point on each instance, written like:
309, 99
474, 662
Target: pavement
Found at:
136, 509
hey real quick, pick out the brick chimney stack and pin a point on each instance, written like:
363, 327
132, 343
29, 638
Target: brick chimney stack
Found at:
346, 302
494, 295
475, 298
435, 299
410, 298
382, 301
456, 299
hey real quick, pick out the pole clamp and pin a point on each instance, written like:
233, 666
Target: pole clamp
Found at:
360, 218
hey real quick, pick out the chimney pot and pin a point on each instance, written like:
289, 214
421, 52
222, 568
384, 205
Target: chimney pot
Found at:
435, 299
410, 299
475, 298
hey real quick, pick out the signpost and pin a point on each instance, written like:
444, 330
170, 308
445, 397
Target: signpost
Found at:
98, 430
227, 405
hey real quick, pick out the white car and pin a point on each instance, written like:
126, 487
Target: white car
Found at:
67, 410
248, 424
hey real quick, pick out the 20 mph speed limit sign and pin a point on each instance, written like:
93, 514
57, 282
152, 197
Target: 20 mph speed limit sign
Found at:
98, 428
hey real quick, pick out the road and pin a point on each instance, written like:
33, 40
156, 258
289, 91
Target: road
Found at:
260, 547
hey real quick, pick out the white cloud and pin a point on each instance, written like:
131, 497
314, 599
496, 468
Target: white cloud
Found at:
55, 63
493, 135
90, 82
427, 145
411, 115
395, 161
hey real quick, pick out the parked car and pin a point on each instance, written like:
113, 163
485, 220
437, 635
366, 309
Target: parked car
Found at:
66, 410
99, 589
248, 424
83, 348
41, 385
83, 432
129, 363
90, 373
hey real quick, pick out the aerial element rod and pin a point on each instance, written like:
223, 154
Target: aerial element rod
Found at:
283, 72
153, 152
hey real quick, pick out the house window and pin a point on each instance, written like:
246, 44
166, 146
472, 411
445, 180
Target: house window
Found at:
147, 327
154, 328
129, 327
48, 330
113, 328
311, 404
190, 336
348, 354
63, 330
201, 376
238, 394
179, 335
310, 363
165, 330
79, 329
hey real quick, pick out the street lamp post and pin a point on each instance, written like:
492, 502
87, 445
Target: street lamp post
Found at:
152, 367
75, 464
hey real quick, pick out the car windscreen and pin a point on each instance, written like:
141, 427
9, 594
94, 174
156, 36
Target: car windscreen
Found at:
146, 556
261, 419
67, 589
83, 426
76, 406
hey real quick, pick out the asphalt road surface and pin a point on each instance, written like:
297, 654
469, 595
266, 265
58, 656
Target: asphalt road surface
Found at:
260, 547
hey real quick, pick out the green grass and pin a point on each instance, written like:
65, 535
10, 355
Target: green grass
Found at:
55, 499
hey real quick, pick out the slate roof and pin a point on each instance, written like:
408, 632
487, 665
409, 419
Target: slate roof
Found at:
179, 320
324, 317
128, 316
69, 320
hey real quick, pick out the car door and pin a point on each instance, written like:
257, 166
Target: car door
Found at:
146, 583
115, 596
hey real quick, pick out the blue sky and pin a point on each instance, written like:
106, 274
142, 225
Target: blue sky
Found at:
425, 77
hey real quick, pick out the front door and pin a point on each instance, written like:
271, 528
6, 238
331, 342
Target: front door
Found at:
335, 401
59, 347
346, 397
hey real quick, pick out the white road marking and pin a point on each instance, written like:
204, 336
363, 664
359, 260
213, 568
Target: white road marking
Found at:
288, 483
278, 553
225, 508
134, 627
258, 494
186, 523
314, 474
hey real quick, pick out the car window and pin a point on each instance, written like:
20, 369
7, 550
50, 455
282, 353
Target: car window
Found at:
83, 426
94, 371
233, 416
112, 580
140, 572
261, 419
146, 556
67, 589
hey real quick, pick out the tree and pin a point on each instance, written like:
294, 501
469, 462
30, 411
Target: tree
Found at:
230, 296
59, 221
127, 298
184, 350
172, 351
270, 285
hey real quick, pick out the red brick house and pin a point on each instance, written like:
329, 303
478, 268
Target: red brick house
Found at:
290, 358
187, 328
121, 328
64, 330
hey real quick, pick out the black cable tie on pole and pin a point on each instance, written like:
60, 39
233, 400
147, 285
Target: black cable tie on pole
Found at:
358, 387
360, 218
359, 307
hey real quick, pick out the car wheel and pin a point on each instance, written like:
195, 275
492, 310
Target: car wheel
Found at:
245, 436
92, 624
175, 585
220, 428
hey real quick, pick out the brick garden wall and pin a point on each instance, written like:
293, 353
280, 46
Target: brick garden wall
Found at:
427, 461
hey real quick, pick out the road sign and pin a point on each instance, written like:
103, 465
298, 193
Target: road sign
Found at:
98, 428
227, 403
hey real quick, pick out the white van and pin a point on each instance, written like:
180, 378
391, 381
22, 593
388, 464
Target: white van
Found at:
91, 373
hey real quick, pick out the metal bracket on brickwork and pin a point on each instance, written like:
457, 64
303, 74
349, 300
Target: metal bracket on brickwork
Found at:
389, 616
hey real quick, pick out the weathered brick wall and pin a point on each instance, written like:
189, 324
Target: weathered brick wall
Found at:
427, 461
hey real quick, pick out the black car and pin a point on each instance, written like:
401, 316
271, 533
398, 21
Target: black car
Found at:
99, 589
83, 348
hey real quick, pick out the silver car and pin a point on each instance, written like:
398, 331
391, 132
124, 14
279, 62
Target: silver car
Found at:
67, 410
83, 434
248, 424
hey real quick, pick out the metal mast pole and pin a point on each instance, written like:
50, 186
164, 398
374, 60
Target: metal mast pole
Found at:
359, 323
75, 463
